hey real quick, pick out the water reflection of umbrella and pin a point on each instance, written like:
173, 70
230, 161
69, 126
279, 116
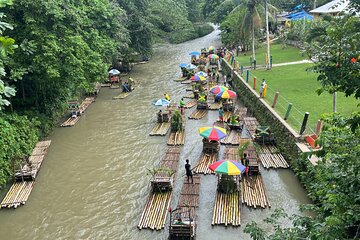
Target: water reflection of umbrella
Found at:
114, 71
182, 65
227, 167
197, 78
227, 94
190, 66
213, 56
212, 133
201, 73
162, 102
218, 89
194, 53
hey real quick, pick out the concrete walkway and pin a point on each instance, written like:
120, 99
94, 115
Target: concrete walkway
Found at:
292, 63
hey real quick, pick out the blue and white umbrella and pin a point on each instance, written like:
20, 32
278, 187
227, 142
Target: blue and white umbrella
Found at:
190, 66
162, 102
182, 65
201, 73
194, 53
114, 71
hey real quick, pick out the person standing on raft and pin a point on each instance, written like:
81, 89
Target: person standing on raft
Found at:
182, 105
188, 171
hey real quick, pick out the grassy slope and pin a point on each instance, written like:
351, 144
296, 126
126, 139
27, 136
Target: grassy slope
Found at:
289, 54
298, 87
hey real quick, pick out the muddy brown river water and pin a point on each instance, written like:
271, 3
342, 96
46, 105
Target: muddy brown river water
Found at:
93, 183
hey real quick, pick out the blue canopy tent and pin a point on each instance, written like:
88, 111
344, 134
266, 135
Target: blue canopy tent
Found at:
301, 15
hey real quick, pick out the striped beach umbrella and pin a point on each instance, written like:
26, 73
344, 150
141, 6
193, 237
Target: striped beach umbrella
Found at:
213, 56
227, 167
227, 94
218, 89
212, 133
197, 78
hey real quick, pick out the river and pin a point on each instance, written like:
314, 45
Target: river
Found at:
93, 183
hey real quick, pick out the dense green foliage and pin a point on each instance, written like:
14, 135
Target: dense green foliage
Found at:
18, 136
333, 185
335, 44
59, 49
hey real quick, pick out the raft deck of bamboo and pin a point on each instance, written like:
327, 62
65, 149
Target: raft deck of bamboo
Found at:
189, 195
180, 79
231, 153
122, 95
176, 138
215, 106
160, 129
253, 192
198, 114
186, 82
226, 209
271, 157
19, 192
190, 95
190, 103
157, 205
232, 138
204, 162
251, 125
84, 105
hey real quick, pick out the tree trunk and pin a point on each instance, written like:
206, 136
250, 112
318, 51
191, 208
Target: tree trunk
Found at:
268, 67
253, 41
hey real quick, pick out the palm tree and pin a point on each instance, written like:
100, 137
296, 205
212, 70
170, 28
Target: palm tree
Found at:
252, 19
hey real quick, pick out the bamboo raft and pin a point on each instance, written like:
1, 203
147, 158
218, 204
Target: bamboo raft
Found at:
19, 192
205, 161
84, 105
189, 89
122, 95
189, 195
155, 211
253, 192
180, 79
232, 138
191, 103
160, 129
231, 153
242, 113
271, 157
226, 209
190, 95
215, 106
186, 82
251, 124
176, 138
157, 204
198, 114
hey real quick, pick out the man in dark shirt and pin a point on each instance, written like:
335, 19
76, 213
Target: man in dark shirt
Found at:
188, 171
245, 162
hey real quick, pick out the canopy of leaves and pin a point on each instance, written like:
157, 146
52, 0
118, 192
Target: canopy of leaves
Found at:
333, 184
335, 45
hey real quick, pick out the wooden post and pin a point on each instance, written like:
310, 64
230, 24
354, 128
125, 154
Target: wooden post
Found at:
247, 75
275, 99
271, 60
303, 125
319, 126
254, 83
288, 111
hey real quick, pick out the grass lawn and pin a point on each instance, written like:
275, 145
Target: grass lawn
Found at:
298, 87
288, 54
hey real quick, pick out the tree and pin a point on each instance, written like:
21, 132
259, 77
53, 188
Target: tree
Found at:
333, 185
334, 43
7, 46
